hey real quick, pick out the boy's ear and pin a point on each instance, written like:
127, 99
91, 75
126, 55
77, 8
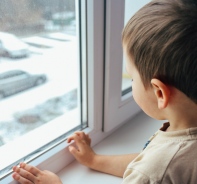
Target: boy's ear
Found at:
162, 93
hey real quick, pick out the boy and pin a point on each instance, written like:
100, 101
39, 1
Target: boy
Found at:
160, 42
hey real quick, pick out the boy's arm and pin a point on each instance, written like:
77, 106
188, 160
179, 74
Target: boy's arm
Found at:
114, 165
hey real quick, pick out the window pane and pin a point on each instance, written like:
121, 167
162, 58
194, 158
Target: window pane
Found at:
40, 83
130, 8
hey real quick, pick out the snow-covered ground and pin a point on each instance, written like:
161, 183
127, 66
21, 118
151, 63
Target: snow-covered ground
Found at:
56, 56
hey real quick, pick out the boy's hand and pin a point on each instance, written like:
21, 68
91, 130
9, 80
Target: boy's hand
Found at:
26, 174
82, 152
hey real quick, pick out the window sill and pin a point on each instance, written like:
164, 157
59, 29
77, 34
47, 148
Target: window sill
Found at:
129, 135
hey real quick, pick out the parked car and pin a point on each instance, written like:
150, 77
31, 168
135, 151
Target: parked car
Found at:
12, 47
14, 81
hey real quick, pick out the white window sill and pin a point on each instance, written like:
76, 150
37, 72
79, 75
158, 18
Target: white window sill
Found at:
130, 138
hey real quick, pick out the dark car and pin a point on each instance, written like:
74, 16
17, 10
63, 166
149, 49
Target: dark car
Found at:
14, 81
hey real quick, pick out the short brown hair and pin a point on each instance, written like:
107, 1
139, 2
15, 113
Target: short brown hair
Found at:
161, 39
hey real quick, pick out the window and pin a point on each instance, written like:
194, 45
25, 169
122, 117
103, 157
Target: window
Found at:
42, 77
99, 94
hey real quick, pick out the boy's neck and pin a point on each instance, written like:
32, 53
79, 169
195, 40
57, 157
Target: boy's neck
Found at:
181, 127
181, 113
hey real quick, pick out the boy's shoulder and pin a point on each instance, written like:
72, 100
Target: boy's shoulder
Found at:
169, 158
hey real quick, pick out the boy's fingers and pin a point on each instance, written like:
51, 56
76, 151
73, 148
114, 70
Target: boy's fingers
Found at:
80, 143
22, 175
79, 134
73, 151
81, 139
70, 139
20, 179
31, 169
75, 137
82, 135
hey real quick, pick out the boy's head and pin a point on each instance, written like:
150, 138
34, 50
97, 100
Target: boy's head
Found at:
161, 40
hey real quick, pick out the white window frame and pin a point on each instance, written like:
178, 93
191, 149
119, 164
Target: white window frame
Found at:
117, 108
105, 103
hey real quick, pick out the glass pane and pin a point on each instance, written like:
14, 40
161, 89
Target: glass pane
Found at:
130, 8
39, 67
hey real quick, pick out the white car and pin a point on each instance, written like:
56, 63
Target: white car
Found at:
12, 47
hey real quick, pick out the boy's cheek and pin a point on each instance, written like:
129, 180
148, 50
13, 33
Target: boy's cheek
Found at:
134, 96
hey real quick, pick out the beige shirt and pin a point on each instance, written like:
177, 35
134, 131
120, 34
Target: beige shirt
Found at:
170, 158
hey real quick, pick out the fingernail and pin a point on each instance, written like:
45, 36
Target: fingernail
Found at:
22, 165
16, 176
